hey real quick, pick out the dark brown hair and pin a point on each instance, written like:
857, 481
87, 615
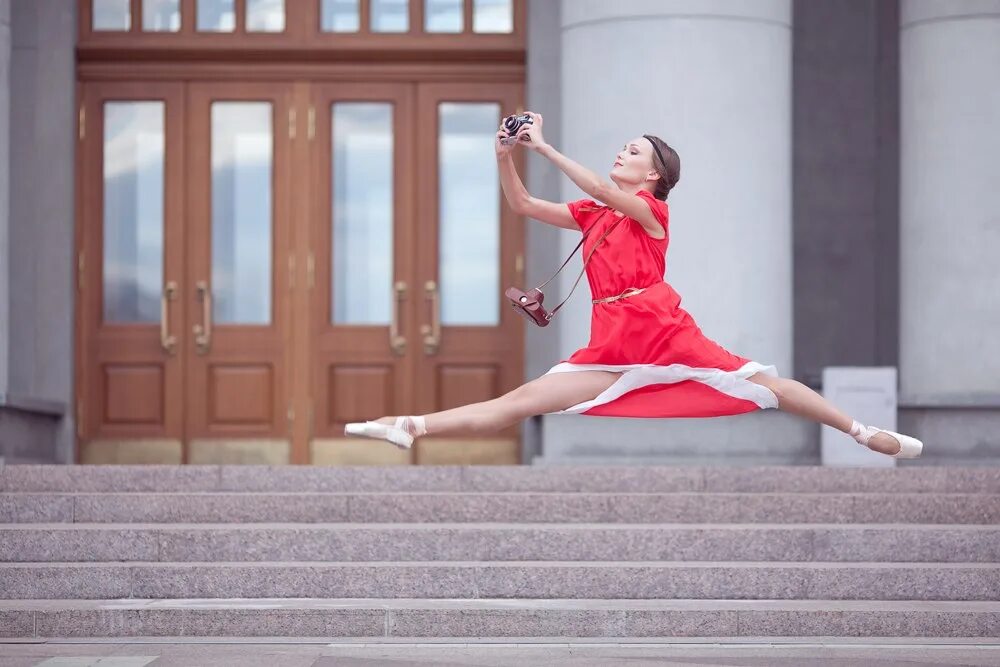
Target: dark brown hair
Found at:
667, 164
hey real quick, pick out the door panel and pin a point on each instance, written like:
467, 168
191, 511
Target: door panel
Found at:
361, 254
238, 251
131, 260
468, 249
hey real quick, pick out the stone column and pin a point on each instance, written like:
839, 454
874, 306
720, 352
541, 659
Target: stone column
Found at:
950, 227
713, 78
950, 200
36, 282
5, 277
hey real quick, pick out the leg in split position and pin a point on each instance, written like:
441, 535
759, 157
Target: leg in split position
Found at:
548, 393
798, 399
559, 391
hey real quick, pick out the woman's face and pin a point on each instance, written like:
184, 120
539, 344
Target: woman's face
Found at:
634, 163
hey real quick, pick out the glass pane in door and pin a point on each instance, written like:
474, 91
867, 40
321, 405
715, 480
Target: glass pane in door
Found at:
161, 15
362, 187
469, 214
265, 15
390, 15
242, 164
216, 16
133, 211
340, 16
493, 16
443, 16
111, 15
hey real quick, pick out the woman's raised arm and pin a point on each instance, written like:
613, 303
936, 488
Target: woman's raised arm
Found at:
551, 213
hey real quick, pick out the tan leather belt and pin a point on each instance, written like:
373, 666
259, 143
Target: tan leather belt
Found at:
631, 291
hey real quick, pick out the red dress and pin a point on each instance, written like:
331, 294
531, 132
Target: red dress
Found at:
669, 368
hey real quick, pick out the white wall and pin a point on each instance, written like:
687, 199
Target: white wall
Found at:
4, 194
713, 79
950, 200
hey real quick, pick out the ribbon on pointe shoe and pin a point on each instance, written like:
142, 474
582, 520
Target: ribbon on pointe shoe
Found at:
396, 433
909, 448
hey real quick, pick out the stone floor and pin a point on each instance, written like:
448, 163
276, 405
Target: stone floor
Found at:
296, 653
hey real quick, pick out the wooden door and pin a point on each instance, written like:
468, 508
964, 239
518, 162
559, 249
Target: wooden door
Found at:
411, 249
130, 272
469, 249
238, 271
289, 257
361, 262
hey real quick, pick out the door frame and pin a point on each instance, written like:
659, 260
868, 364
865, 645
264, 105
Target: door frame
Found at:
463, 345
302, 78
95, 343
363, 343
242, 347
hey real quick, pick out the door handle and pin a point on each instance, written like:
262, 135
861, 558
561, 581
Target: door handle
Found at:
203, 331
167, 341
432, 332
396, 341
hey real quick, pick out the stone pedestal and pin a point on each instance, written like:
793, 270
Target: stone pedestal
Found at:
868, 395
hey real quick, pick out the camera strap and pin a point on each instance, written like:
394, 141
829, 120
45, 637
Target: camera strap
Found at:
585, 262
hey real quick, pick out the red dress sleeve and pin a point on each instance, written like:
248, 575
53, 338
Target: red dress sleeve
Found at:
658, 207
585, 212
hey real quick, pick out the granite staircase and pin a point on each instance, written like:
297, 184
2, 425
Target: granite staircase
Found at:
384, 554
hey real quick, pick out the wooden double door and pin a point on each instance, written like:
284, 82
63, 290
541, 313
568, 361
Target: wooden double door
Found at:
262, 262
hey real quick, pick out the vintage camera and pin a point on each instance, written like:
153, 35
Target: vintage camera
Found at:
511, 124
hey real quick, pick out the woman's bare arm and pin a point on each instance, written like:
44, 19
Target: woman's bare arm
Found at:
523, 203
631, 205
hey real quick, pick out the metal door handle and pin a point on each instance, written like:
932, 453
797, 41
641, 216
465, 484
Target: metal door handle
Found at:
396, 341
203, 331
432, 332
167, 341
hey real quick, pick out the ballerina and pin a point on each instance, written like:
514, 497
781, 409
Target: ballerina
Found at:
646, 356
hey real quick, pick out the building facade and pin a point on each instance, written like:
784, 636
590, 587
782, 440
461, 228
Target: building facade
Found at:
227, 227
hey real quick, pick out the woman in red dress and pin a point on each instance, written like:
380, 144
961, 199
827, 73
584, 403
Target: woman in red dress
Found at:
646, 356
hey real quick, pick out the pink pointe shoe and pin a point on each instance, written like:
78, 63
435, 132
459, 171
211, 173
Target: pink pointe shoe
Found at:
394, 433
909, 448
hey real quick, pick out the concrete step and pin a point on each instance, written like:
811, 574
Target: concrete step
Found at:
493, 507
777, 479
499, 542
522, 580
397, 618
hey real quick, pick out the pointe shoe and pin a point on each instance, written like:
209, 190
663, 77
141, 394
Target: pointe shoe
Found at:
909, 448
396, 434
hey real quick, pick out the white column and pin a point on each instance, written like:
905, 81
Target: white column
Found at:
5, 54
713, 79
950, 199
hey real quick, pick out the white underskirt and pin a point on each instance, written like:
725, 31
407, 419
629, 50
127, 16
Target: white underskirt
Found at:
636, 376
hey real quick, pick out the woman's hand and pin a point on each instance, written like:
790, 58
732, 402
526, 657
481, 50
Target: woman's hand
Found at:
503, 149
531, 135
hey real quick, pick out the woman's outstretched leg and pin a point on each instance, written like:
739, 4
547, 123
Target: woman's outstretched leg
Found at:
548, 393
798, 399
